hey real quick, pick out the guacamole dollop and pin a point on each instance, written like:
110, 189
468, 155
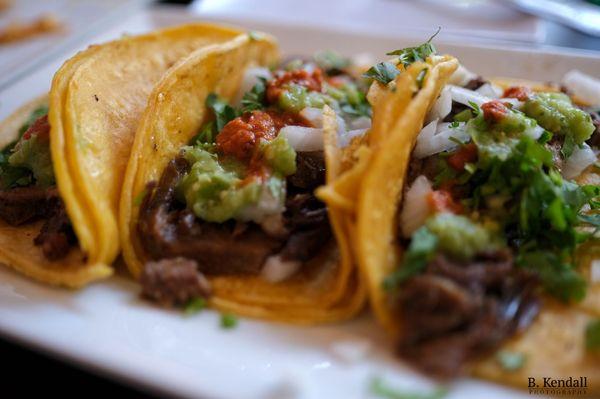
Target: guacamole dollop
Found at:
460, 237
218, 189
556, 113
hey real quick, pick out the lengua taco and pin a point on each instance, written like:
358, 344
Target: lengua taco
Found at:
472, 209
64, 155
218, 199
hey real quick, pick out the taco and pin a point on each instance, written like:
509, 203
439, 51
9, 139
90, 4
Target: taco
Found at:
218, 201
472, 210
64, 155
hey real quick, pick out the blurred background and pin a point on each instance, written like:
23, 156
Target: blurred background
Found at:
36, 32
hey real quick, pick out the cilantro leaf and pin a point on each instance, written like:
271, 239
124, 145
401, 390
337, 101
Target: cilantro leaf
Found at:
408, 55
255, 98
380, 389
558, 279
419, 253
510, 361
223, 111
421, 77
207, 134
568, 146
384, 72
228, 321
195, 305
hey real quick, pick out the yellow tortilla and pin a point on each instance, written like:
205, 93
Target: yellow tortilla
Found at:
96, 100
328, 287
369, 194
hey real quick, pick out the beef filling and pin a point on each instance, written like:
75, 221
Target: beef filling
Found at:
23, 205
455, 312
594, 140
56, 236
168, 230
172, 282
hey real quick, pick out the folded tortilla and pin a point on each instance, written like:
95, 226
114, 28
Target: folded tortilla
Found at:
95, 103
328, 287
368, 194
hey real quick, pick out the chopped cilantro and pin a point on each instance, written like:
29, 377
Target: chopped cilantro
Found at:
421, 77
228, 321
223, 111
381, 389
255, 98
568, 146
407, 56
592, 335
420, 251
463, 116
510, 361
207, 134
194, 306
13, 176
384, 72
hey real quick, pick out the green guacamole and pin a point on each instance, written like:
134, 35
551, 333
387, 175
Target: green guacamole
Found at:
460, 237
556, 113
214, 191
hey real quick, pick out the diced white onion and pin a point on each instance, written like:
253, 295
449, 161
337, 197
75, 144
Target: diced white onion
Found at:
251, 77
415, 208
273, 225
435, 138
303, 138
269, 203
490, 90
462, 76
313, 115
535, 132
345, 138
465, 96
361, 122
578, 161
276, 269
442, 106
583, 86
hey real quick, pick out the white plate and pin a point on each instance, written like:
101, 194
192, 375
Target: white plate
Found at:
108, 329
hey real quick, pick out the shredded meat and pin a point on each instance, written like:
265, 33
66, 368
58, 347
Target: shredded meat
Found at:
173, 282
594, 140
455, 312
56, 236
426, 166
23, 205
310, 170
168, 230
475, 83
306, 218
